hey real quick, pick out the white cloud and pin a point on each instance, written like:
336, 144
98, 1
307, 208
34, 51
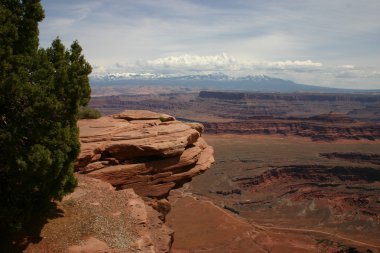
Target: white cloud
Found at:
287, 39
185, 64
222, 62
295, 64
96, 69
301, 71
347, 66
194, 62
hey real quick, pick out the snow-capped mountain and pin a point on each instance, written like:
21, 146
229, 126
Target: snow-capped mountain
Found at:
214, 81
125, 76
150, 76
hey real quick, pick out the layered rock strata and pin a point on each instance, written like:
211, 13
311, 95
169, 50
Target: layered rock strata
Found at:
346, 97
149, 152
316, 130
352, 191
356, 157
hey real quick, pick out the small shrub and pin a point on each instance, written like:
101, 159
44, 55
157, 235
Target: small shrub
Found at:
89, 113
162, 119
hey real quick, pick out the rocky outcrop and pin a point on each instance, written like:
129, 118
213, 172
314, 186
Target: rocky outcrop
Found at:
149, 152
356, 157
316, 128
346, 97
128, 164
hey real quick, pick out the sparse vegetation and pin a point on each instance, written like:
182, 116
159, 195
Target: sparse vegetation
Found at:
99, 212
70, 202
163, 119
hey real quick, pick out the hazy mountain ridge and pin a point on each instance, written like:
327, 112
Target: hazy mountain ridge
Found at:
261, 83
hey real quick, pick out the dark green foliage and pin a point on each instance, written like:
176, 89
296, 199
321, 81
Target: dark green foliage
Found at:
41, 91
163, 119
88, 113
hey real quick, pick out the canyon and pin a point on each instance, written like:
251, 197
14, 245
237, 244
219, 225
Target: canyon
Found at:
215, 106
294, 172
327, 127
281, 194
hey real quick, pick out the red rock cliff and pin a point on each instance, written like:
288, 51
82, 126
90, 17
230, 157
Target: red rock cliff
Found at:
143, 150
135, 151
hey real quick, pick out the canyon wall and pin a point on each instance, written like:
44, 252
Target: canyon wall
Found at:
315, 129
347, 97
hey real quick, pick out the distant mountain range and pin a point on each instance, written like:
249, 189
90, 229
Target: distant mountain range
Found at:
217, 81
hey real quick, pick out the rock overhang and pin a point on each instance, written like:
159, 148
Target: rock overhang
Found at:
147, 151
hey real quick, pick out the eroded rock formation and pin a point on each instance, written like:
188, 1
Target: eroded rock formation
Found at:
346, 189
317, 128
149, 152
356, 157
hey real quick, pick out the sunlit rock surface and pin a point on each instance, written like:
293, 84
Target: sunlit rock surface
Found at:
149, 152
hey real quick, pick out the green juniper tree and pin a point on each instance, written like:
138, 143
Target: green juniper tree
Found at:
41, 91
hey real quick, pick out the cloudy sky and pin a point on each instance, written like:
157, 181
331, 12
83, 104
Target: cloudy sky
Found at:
328, 43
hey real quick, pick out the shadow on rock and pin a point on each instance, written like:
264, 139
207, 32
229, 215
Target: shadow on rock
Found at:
11, 242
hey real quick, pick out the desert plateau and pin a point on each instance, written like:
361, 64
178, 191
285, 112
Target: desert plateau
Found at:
293, 172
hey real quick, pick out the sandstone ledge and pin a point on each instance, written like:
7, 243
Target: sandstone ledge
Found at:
149, 152
96, 218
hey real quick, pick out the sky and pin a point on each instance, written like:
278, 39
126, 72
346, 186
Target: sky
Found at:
332, 43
